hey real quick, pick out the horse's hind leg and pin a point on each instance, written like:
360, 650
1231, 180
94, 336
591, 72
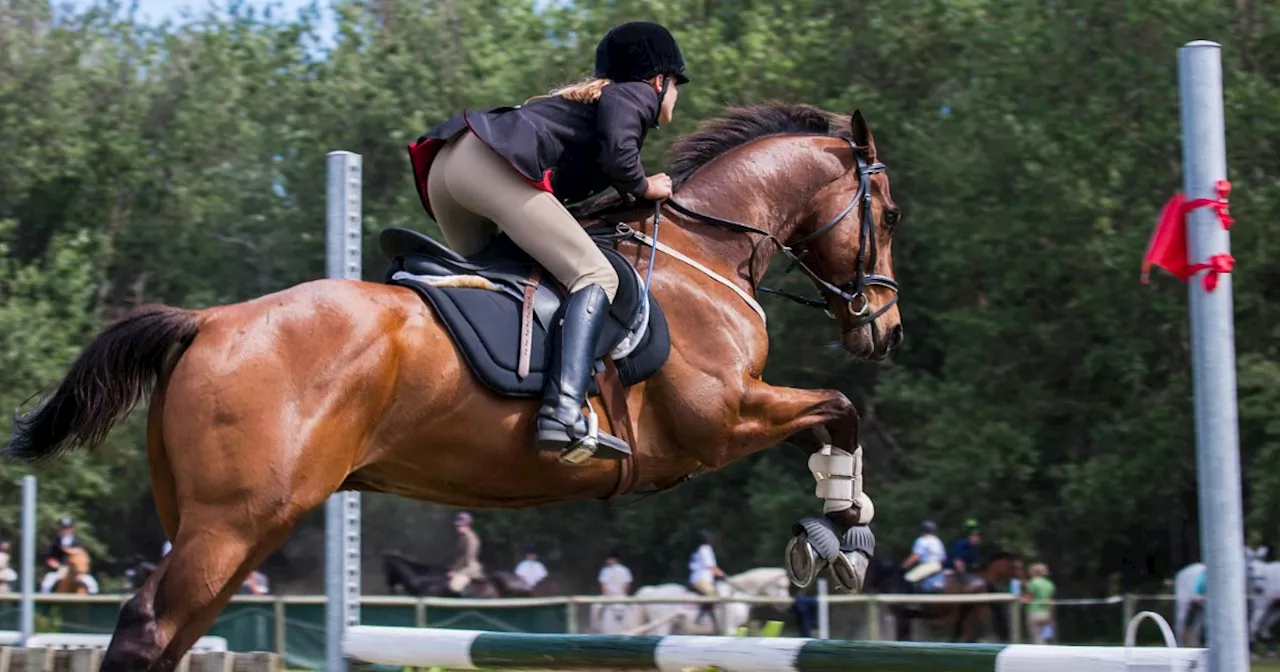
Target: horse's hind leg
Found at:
238, 490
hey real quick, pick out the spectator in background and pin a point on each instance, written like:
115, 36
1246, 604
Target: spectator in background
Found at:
531, 569
614, 577
805, 608
703, 572
255, 584
1039, 600
65, 538
7, 575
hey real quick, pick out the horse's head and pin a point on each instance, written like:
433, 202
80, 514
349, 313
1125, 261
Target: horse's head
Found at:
78, 559
809, 184
847, 239
1002, 567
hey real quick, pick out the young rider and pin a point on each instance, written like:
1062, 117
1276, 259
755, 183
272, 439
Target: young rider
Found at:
564, 148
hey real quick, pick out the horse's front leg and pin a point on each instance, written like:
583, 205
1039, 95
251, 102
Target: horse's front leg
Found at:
826, 423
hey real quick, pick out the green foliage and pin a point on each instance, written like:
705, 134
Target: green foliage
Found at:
1041, 389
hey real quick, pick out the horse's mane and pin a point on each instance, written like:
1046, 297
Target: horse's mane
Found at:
737, 126
414, 564
733, 128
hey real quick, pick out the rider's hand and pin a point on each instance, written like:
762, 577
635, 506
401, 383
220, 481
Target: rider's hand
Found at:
657, 187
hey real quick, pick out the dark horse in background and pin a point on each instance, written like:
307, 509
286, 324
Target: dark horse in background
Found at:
421, 579
260, 410
966, 621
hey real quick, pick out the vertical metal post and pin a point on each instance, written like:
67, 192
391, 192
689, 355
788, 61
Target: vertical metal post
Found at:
824, 611
344, 237
1128, 609
1213, 358
874, 617
27, 578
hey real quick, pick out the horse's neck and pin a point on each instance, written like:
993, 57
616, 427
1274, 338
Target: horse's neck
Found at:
768, 199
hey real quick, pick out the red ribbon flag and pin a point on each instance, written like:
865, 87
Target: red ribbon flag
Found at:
1168, 246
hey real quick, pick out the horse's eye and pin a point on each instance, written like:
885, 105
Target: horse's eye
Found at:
892, 217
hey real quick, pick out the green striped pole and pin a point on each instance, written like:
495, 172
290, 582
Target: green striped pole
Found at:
472, 649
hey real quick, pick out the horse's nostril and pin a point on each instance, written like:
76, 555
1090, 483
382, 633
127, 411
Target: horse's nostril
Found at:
895, 336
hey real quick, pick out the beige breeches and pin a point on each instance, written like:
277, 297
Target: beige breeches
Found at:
459, 581
475, 193
923, 571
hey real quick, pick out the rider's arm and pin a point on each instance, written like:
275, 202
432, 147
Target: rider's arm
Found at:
623, 115
710, 558
911, 560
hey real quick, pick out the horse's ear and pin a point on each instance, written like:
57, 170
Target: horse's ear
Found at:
862, 134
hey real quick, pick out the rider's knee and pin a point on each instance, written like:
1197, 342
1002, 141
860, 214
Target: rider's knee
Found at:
600, 273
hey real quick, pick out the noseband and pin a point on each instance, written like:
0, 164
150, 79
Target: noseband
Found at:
853, 292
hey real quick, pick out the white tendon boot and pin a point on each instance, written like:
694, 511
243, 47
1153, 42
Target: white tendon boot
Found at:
839, 476
820, 542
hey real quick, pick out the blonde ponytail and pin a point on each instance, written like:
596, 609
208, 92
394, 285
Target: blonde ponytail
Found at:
586, 91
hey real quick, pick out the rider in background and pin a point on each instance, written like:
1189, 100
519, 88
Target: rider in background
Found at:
703, 572
924, 565
466, 568
65, 538
564, 148
964, 557
531, 569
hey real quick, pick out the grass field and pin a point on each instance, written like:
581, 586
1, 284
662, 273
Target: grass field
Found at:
1265, 666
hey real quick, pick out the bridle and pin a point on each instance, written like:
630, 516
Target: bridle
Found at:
852, 293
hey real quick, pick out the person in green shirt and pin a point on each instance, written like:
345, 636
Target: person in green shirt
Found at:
1038, 595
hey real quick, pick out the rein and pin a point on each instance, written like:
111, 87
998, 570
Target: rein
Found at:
852, 293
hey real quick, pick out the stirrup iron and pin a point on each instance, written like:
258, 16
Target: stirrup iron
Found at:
586, 448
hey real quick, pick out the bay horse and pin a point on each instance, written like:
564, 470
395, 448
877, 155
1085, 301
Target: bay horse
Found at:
966, 620
73, 573
260, 410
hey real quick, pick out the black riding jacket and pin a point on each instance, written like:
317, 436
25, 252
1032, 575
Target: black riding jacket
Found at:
573, 150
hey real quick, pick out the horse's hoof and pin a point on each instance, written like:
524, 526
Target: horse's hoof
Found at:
802, 561
849, 571
818, 543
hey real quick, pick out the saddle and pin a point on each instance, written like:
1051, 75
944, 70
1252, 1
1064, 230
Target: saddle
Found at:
499, 307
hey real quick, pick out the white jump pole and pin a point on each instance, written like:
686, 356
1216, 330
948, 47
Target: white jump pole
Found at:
342, 512
824, 611
1213, 358
27, 580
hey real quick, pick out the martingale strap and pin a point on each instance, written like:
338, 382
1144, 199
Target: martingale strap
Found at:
677, 254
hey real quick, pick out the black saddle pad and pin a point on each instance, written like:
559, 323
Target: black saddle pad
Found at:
485, 322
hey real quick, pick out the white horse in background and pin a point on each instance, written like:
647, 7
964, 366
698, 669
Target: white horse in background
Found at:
615, 619
1188, 615
682, 618
1262, 586
1264, 605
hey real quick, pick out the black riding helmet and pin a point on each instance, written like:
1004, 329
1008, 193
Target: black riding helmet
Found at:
638, 50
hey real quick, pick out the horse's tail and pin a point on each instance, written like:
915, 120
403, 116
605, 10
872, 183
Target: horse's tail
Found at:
117, 367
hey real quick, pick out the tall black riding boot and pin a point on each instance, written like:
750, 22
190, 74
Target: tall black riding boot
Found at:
562, 427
